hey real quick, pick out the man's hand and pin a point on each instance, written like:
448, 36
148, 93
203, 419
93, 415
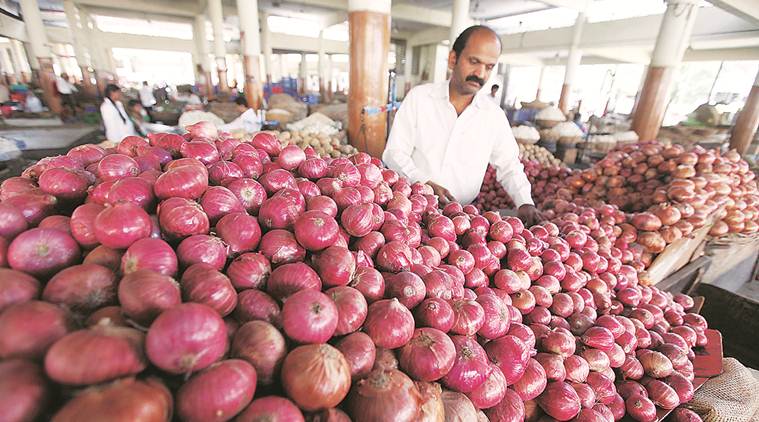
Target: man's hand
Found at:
442, 193
529, 215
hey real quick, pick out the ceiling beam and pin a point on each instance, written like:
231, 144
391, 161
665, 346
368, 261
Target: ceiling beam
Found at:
429, 36
411, 13
130, 14
746, 9
159, 7
327, 4
334, 19
578, 5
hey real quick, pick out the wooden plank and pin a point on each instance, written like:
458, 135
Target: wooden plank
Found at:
677, 254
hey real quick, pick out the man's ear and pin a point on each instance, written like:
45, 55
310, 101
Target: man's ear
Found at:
452, 60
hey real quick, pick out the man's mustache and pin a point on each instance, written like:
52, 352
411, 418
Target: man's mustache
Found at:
473, 78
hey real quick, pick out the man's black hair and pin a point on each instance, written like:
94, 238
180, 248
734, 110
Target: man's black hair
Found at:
111, 88
463, 38
132, 103
494, 87
240, 100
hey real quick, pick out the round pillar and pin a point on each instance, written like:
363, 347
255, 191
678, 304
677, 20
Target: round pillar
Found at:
573, 64
219, 50
35, 30
369, 29
266, 46
674, 35
202, 60
247, 11
459, 19
82, 60
748, 119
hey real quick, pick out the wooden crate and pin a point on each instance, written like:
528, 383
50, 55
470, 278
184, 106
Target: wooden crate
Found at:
686, 279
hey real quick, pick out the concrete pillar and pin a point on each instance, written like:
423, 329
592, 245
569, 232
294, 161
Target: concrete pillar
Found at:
369, 29
266, 45
18, 56
35, 30
506, 73
744, 130
540, 83
282, 73
202, 60
247, 11
322, 67
77, 37
573, 63
459, 19
9, 70
674, 34
408, 78
219, 50
329, 88
302, 75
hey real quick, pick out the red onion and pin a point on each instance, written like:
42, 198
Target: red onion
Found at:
309, 316
179, 218
201, 283
28, 329
149, 254
218, 392
98, 354
384, 395
218, 201
201, 248
132, 189
490, 392
117, 166
16, 287
470, 368
532, 383
510, 409
42, 252
428, 356
335, 266
126, 398
187, 182
389, 324
560, 401
351, 307
271, 408
249, 271
24, 392
82, 288
316, 376
186, 338
249, 192
280, 247
290, 278
359, 351
144, 294
121, 225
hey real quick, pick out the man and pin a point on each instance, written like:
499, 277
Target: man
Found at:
66, 90
493, 91
146, 96
445, 135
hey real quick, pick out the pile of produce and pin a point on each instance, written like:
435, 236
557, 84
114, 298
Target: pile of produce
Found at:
334, 146
672, 191
544, 179
539, 154
211, 279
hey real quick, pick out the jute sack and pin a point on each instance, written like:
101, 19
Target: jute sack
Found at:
730, 397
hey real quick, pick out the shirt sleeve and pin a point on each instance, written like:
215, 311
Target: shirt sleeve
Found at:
401, 143
509, 170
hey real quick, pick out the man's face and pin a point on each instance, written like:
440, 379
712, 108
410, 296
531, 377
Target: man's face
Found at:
116, 95
476, 62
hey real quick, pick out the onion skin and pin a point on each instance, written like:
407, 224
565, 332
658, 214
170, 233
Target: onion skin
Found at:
384, 395
470, 368
96, 355
123, 400
560, 401
186, 338
42, 252
510, 409
432, 408
309, 316
218, 393
316, 376
263, 346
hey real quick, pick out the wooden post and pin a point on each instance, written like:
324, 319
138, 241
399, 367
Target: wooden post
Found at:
369, 29
573, 64
673, 38
748, 119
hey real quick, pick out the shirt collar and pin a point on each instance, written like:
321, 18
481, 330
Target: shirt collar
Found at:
441, 92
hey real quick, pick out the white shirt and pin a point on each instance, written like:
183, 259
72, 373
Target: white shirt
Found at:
429, 142
63, 86
116, 128
146, 96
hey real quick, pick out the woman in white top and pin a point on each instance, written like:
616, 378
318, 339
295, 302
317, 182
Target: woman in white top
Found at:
117, 123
